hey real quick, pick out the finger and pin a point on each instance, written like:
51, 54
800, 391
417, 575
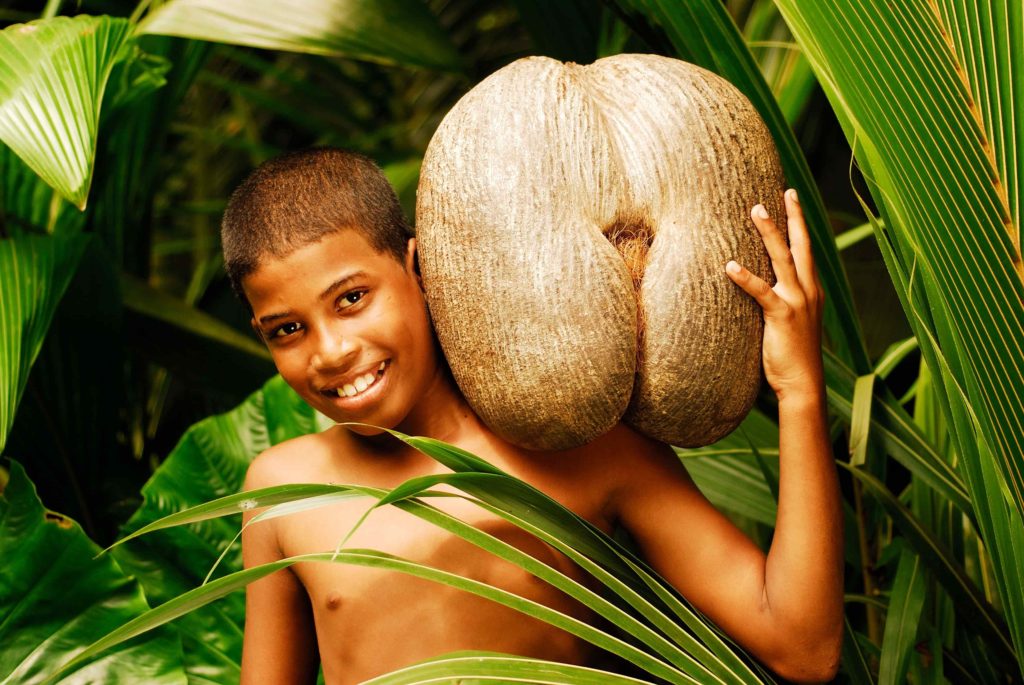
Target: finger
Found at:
778, 250
800, 244
755, 287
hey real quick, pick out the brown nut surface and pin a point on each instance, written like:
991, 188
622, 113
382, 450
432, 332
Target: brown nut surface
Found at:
574, 223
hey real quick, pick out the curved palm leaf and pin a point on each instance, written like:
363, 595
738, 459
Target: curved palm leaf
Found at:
389, 31
53, 73
930, 96
212, 453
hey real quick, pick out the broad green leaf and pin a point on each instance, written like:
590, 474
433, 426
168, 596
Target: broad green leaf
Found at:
53, 73
786, 70
34, 271
860, 418
930, 100
29, 204
56, 598
390, 31
897, 433
969, 600
902, 619
209, 462
855, 663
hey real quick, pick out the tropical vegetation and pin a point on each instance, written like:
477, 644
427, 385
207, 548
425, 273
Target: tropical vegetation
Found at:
122, 129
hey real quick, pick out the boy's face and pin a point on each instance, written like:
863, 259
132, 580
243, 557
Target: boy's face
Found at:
347, 327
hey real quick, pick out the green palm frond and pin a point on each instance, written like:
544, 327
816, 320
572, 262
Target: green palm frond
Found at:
53, 73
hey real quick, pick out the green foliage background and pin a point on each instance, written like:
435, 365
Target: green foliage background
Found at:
123, 128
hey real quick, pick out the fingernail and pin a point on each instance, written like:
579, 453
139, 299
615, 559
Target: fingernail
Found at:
792, 195
761, 212
732, 267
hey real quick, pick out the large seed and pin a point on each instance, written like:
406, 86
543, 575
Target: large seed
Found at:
574, 223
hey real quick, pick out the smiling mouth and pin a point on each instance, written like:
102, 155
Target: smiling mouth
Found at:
359, 384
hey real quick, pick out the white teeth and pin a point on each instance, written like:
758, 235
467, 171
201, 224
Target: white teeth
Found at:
360, 384
381, 367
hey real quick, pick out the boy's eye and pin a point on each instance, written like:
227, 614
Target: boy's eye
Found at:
350, 298
284, 330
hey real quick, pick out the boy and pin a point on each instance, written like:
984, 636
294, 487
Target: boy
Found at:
316, 245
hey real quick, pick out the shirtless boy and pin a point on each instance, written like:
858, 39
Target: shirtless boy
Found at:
316, 244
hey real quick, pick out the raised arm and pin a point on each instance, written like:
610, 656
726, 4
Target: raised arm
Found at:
280, 641
786, 608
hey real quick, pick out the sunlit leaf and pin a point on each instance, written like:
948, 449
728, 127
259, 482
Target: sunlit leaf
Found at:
53, 73
929, 96
391, 31
902, 619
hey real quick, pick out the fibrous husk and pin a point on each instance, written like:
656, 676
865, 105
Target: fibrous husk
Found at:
573, 225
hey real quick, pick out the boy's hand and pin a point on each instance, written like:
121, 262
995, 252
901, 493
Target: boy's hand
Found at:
792, 309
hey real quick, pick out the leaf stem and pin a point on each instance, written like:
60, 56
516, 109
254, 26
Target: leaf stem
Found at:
51, 9
874, 619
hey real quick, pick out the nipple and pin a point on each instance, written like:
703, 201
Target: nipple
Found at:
333, 600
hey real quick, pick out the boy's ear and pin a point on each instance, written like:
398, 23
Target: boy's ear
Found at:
412, 261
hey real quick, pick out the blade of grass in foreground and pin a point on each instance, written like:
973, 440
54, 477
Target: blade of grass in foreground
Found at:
717, 662
519, 503
371, 558
486, 667
294, 498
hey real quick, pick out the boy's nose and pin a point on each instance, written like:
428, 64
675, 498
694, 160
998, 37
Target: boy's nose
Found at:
335, 350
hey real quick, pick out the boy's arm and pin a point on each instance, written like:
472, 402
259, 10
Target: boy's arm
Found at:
786, 608
280, 641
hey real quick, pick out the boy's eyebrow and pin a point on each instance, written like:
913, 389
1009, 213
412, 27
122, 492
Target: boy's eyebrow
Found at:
322, 296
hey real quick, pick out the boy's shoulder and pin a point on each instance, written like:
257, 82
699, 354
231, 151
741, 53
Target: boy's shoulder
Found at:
614, 463
623, 450
303, 459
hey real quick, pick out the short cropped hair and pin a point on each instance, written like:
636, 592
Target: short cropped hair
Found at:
298, 198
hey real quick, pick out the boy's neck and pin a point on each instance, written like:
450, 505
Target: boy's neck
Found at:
442, 413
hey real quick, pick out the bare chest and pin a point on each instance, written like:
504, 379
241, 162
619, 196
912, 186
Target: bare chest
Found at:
370, 620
